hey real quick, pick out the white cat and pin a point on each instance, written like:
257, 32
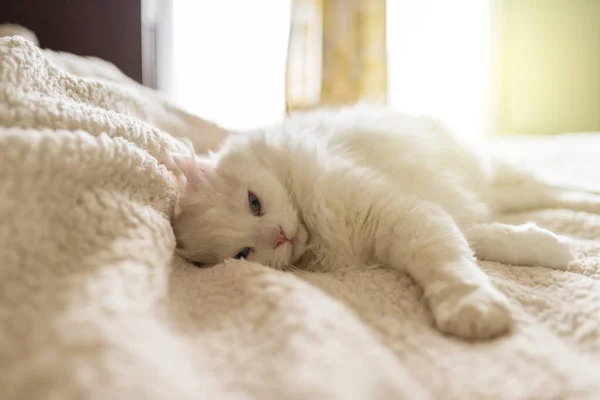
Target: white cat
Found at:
363, 186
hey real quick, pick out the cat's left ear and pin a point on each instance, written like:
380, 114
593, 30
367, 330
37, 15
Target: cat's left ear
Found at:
196, 172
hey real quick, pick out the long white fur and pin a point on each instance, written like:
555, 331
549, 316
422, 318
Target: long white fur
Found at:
363, 186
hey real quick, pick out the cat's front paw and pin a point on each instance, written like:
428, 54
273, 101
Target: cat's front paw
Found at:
468, 312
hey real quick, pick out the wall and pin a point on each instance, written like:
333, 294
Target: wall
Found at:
548, 66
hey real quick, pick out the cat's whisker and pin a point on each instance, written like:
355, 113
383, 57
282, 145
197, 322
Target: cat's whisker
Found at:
280, 267
292, 268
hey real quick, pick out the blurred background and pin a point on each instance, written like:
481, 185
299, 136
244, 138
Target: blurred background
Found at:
487, 67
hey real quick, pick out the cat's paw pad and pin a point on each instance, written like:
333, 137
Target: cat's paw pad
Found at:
473, 313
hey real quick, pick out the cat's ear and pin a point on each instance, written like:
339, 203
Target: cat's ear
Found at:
196, 172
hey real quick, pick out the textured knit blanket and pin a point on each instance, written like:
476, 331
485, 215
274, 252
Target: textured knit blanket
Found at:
94, 305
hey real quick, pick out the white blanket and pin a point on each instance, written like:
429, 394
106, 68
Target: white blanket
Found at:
94, 305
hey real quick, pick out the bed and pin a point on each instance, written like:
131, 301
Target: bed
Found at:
95, 305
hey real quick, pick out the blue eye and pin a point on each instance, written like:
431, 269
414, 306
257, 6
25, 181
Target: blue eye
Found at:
254, 204
244, 253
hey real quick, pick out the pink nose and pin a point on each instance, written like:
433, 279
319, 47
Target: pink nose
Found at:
278, 237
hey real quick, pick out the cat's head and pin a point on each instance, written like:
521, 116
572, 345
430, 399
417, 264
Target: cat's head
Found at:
233, 206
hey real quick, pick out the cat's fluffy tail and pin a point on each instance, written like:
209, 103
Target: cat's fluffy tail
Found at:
515, 188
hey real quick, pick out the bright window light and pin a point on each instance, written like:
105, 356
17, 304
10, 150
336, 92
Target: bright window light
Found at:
229, 59
438, 61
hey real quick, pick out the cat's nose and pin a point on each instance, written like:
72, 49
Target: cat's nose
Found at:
278, 237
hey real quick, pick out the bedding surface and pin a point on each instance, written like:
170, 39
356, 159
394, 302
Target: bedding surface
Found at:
93, 303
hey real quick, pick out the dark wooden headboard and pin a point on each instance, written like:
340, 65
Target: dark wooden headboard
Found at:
109, 29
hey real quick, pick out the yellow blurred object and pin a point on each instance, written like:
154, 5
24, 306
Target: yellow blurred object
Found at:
548, 67
337, 53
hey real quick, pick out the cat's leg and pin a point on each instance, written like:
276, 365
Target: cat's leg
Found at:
515, 187
424, 240
525, 244
535, 194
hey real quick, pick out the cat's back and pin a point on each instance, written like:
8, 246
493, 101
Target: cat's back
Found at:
418, 154
363, 130
387, 140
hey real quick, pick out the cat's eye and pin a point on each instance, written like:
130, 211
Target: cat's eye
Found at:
244, 253
254, 204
